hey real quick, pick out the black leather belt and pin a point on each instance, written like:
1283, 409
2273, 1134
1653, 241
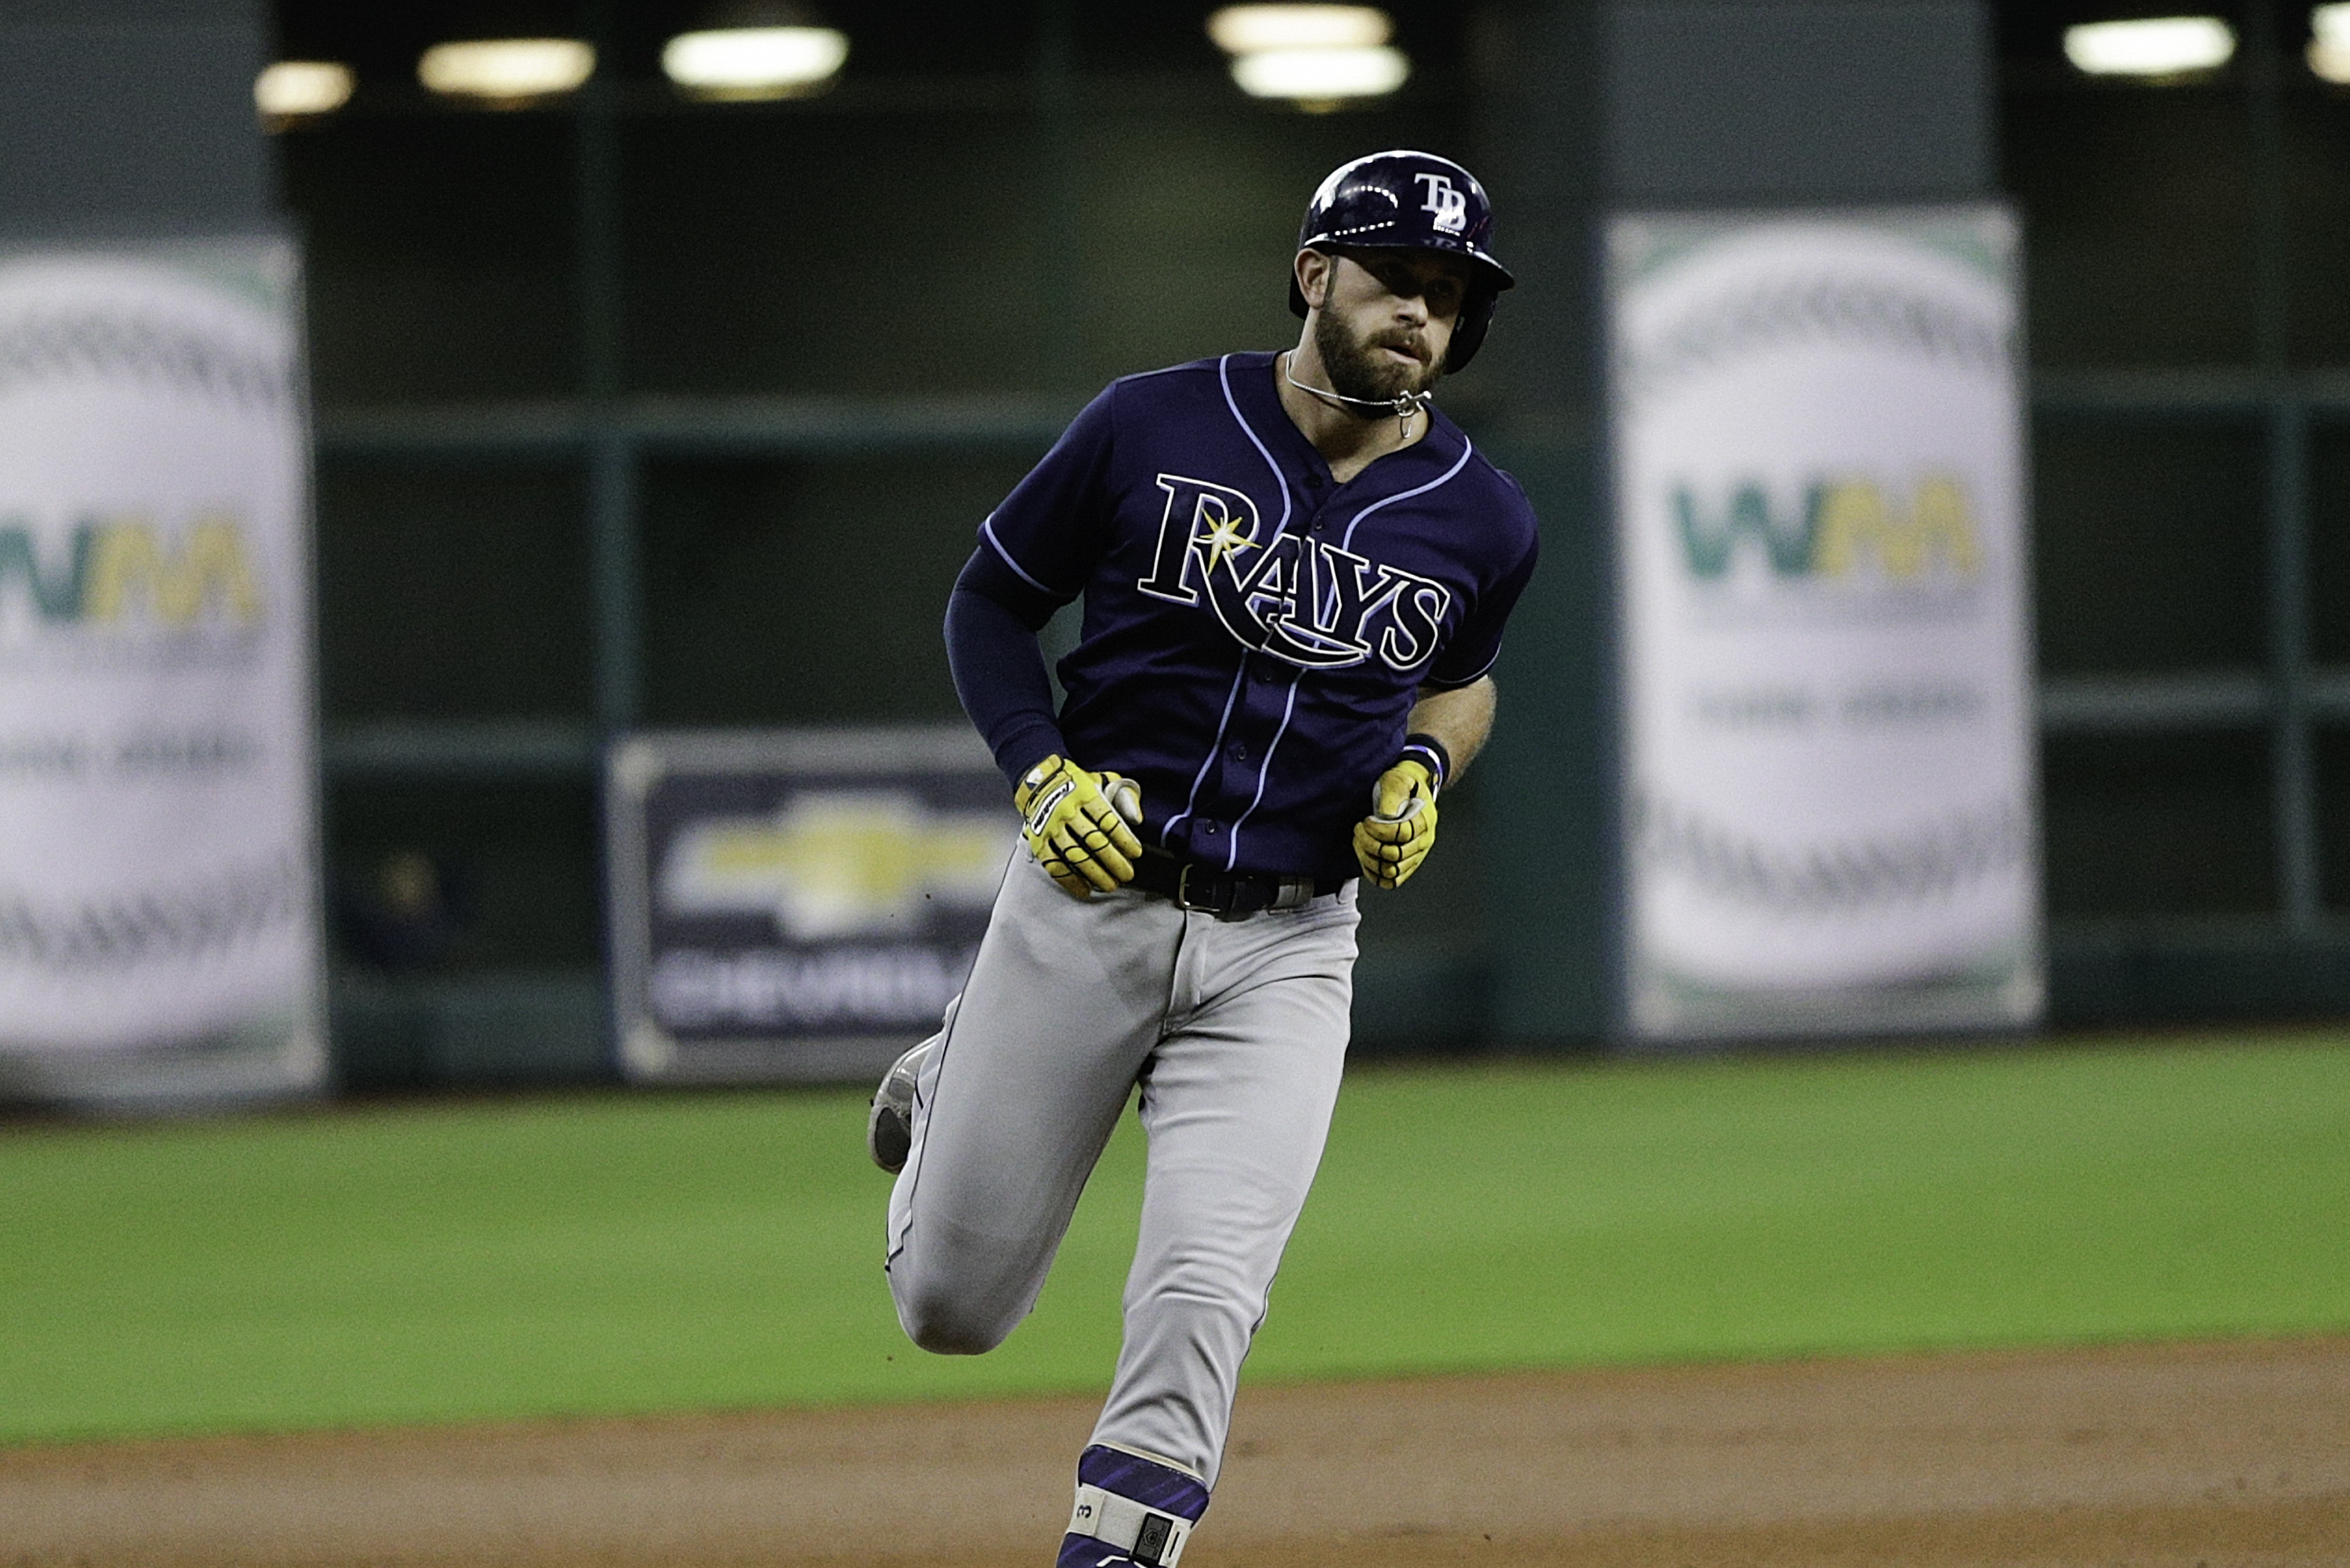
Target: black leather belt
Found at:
1227, 894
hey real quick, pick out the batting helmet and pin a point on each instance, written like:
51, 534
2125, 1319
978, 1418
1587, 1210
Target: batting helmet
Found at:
1411, 200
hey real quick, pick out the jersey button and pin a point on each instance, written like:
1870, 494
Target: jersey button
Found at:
1240, 753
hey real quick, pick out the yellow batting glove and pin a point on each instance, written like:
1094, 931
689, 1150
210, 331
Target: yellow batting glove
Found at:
1396, 837
1077, 824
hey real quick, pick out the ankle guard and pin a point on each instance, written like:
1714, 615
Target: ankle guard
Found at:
1130, 1509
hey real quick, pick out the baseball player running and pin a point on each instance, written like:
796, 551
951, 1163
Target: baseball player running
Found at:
1296, 573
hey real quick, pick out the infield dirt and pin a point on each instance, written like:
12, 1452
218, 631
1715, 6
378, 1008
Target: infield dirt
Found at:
2212, 1456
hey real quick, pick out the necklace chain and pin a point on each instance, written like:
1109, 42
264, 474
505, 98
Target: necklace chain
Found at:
1403, 405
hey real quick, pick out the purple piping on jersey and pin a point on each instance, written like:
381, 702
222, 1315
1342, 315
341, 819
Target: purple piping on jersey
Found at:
1146, 375
1280, 483
1348, 541
1232, 850
987, 532
1280, 480
1230, 698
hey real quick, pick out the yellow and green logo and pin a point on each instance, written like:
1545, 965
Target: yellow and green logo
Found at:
125, 571
838, 863
1846, 530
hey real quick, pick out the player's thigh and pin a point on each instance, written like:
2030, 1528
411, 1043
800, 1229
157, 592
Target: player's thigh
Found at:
1030, 1076
1237, 1100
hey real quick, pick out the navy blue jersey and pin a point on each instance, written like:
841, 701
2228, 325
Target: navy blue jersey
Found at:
1255, 633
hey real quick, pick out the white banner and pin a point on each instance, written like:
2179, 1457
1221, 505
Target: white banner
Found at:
159, 931
1828, 732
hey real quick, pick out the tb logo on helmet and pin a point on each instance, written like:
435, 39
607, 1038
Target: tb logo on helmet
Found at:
1447, 200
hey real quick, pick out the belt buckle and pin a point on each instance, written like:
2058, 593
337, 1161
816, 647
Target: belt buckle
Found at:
1183, 899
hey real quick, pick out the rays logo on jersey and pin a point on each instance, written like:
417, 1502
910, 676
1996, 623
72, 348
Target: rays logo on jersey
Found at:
1311, 604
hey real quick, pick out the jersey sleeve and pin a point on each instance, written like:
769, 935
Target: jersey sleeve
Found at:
999, 671
1053, 527
1469, 657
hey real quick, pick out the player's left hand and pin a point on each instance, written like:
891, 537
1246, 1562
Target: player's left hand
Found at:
1077, 826
1396, 837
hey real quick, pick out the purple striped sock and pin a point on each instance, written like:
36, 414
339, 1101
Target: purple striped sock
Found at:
1152, 1485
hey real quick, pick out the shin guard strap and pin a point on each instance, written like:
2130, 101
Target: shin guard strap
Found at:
1152, 1538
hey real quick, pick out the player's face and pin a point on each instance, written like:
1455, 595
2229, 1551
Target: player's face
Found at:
1386, 318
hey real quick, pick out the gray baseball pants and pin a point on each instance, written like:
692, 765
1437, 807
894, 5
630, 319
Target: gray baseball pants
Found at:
1236, 1029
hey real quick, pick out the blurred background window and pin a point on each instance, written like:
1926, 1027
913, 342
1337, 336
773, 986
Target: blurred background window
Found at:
2184, 187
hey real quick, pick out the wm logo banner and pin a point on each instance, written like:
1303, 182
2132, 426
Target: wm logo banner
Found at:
1826, 685
158, 927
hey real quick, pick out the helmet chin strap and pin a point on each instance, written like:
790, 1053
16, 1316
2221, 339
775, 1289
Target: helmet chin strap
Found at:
1402, 405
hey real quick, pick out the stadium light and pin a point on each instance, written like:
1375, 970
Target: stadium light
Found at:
507, 71
291, 90
2329, 43
1317, 56
1254, 29
2151, 46
1321, 78
756, 62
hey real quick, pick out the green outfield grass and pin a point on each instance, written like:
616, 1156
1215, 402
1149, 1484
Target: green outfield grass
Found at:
615, 1254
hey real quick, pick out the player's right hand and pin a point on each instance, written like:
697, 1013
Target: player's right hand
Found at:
1077, 824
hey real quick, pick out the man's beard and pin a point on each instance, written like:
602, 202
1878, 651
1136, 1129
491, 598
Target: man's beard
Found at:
1358, 370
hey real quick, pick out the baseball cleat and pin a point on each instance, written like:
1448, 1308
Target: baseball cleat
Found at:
890, 1129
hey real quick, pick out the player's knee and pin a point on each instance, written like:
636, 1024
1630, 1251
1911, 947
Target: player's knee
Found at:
947, 1323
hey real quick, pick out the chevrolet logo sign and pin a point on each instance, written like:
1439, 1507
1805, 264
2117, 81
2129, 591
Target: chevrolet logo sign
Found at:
837, 863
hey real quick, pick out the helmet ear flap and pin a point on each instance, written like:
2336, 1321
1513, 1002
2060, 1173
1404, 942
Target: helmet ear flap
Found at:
1469, 330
